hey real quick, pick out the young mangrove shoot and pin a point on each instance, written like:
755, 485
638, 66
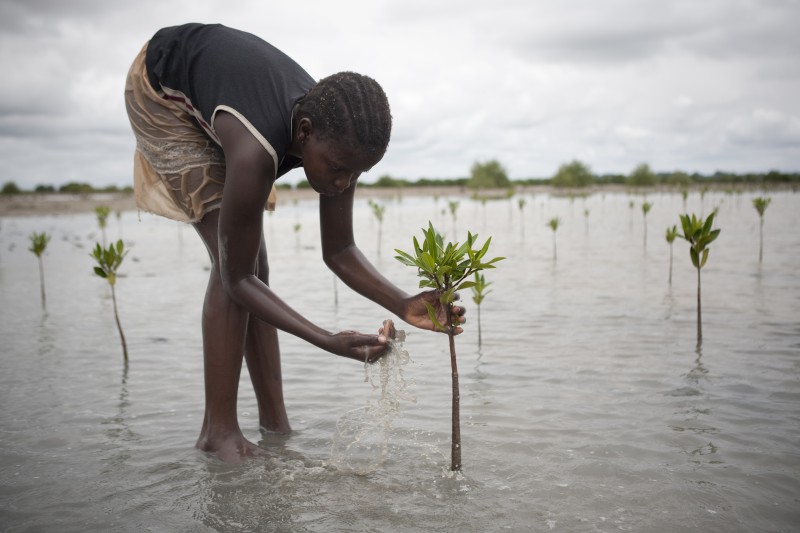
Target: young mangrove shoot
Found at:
453, 206
102, 212
297, 228
479, 292
631, 205
553, 223
521, 204
378, 210
585, 221
446, 268
108, 262
646, 206
699, 235
38, 244
671, 234
761, 205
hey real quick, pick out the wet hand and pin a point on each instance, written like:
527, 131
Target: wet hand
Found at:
362, 347
417, 313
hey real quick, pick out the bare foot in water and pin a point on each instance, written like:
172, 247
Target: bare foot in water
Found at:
274, 421
232, 449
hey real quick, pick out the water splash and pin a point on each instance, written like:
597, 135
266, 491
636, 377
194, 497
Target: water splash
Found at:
361, 442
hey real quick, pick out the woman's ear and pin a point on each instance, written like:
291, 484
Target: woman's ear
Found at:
304, 129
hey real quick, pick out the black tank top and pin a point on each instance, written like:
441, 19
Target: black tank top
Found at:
208, 68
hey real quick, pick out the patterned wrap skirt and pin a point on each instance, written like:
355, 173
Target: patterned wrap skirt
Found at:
178, 171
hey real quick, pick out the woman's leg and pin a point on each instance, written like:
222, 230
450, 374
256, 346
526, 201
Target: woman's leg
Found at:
224, 331
264, 363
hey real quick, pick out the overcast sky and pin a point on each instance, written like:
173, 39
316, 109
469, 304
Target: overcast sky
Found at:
681, 85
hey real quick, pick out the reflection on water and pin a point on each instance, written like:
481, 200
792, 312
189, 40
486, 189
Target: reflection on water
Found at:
587, 406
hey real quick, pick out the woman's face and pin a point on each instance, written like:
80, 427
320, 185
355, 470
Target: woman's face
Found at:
331, 168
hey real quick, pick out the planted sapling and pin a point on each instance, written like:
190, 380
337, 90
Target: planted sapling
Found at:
521, 203
378, 210
479, 292
699, 235
102, 212
38, 244
297, 228
453, 206
631, 205
586, 221
671, 234
108, 262
646, 206
446, 269
761, 205
553, 223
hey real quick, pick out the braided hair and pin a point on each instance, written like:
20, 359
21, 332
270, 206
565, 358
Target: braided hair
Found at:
351, 108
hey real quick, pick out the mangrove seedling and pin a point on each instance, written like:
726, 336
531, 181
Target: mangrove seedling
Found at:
118, 214
297, 228
586, 221
108, 262
646, 206
453, 206
102, 212
479, 292
378, 210
521, 204
553, 223
38, 244
699, 235
446, 269
671, 234
631, 205
761, 205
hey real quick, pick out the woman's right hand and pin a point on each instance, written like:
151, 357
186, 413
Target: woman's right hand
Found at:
362, 347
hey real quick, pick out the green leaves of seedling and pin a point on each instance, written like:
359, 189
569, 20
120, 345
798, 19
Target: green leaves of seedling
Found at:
446, 267
108, 260
699, 234
38, 244
377, 209
672, 233
761, 204
480, 288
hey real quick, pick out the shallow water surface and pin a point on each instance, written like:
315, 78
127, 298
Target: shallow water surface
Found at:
588, 406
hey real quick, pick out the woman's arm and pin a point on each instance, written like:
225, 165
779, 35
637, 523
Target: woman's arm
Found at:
345, 259
249, 177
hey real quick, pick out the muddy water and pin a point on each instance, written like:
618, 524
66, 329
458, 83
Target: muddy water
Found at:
588, 406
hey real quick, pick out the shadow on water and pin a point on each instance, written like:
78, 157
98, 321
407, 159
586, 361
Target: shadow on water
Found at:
695, 443
117, 428
46, 337
698, 372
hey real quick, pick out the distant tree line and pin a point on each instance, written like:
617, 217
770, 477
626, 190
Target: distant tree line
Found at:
72, 187
492, 175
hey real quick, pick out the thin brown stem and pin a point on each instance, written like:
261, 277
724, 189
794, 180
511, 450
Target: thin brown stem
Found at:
119, 326
41, 282
455, 446
699, 311
670, 264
